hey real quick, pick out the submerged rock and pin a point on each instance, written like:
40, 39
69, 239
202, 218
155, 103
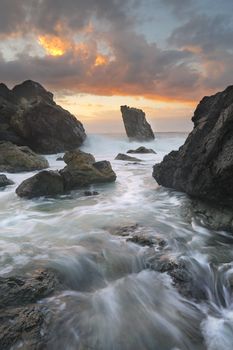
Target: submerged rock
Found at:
90, 193
14, 159
136, 126
142, 150
45, 183
122, 156
4, 181
82, 170
60, 159
203, 166
29, 116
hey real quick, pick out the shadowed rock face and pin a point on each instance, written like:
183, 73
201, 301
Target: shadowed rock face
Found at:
4, 181
203, 166
136, 126
125, 157
29, 116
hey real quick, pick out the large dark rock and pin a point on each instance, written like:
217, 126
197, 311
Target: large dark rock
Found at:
29, 116
124, 157
203, 166
14, 159
136, 126
45, 183
82, 170
4, 181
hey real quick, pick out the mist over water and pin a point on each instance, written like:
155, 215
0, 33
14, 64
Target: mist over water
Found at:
113, 300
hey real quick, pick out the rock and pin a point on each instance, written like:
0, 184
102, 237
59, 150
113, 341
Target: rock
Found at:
4, 181
91, 193
136, 126
82, 170
29, 116
23, 324
60, 159
123, 230
45, 183
142, 150
122, 156
203, 166
15, 159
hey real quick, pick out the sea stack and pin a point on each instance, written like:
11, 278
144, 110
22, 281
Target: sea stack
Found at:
136, 126
30, 116
203, 166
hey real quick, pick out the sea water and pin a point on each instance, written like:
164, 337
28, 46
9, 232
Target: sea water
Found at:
112, 300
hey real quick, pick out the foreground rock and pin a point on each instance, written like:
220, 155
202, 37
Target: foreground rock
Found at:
45, 183
122, 156
29, 116
142, 150
14, 159
4, 181
203, 166
136, 126
81, 170
22, 322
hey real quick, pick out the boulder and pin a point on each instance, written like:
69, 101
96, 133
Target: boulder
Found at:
136, 125
203, 166
29, 116
82, 170
15, 159
4, 181
45, 183
142, 150
122, 156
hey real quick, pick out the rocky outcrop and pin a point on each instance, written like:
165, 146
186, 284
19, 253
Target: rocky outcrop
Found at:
45, 183
81, 170
22, 322
4, 181
29, 116
203, 166
14, 159
136, 126
142, 150
124, 157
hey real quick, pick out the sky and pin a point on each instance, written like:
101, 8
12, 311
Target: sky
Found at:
161, 56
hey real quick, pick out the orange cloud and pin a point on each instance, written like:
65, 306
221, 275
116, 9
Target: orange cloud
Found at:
54, 45
101, 60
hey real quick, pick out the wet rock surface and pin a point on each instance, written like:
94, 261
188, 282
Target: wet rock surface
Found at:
203, 166
124, 157
29, 116
4, 181
142, 150
136, 125
14, 159
22, 322
45, 183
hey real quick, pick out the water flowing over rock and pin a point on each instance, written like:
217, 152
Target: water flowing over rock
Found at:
29, 116
122, 156
142, 150
203, 166
136, 126
15, 159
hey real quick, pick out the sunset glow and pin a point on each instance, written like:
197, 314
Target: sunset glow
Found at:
53, 45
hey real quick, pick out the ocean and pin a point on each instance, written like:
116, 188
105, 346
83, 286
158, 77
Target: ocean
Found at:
113, 300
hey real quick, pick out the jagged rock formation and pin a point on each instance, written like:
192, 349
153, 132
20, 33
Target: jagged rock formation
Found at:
15, 159
81, 170
136, 126
4, 181
29, 116
203, 166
